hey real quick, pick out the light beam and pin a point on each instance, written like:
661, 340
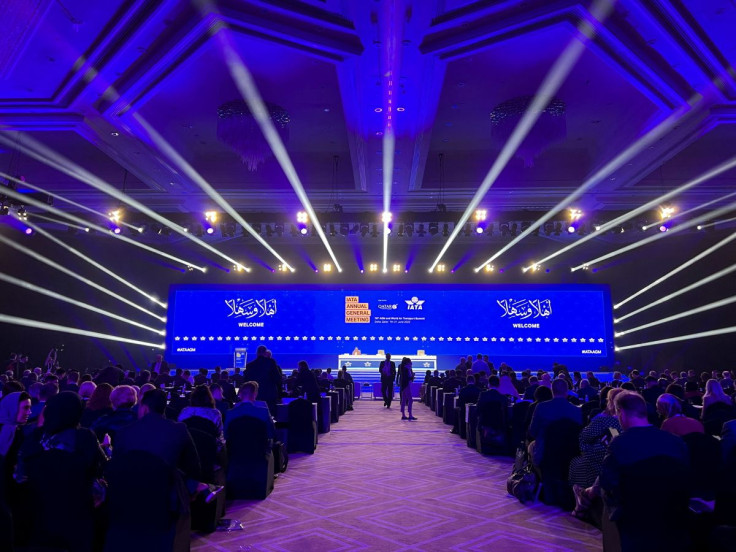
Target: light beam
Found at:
710, 333
17, 321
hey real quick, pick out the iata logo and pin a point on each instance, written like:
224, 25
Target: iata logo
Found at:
414, 303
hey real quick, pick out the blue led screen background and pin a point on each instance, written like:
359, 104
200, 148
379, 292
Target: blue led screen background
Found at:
506, 322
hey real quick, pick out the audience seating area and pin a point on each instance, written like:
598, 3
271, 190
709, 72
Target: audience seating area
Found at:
671, 490
157, 454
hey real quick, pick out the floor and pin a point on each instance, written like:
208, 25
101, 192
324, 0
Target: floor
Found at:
379, 483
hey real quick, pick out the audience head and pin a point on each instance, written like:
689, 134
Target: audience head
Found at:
248, 391
100, 397
628, 386
153, 402
62, 411
560, 388
145, 388
714, 390
15, 409
47, 391
584, 384
676, 390
471, 380
494, 382
611, 400
303, 366
86, 389
261, 350
202, 397
123, 396
13, 386
668, 406
542, 394
533, 380
631, 409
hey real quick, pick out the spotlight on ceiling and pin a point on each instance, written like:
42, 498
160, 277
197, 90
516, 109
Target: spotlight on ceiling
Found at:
373, 267
327, 267
441, 267
480, 214
434, 228
396, 268
386, 217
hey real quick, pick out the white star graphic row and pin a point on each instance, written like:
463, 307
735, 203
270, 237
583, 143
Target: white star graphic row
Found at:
391, 338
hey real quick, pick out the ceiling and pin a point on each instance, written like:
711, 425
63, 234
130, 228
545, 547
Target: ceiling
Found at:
77, 77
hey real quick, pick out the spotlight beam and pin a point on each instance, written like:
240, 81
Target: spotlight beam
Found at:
76, 276
551, 84
706, 280
650, 239
724, 221
177, 158
622, 158
87, 224
720, 331
49, 293
57, 221
680, 268
15, 320
247, 87
388, 174
697, 310
64, 199
94, 263
55, 160
696, 208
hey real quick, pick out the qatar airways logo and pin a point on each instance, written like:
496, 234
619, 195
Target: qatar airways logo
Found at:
414, 303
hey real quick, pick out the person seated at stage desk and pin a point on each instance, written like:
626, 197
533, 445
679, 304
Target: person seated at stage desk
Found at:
307, 382
265, 372
248, 406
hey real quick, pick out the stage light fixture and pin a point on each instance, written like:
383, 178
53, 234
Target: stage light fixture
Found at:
302, 217
666, 212
434, 228
327, 267
488, 268
303, 230
22, 213
210, 230
28, 231
210, 216
373, 267
440, 267
386, 217
116, 215
480, 215
397, 268
4, 209
116, 230
575, 214
663, 228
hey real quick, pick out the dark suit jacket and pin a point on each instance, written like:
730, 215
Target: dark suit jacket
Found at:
164, 438
550, 411
392, 376
264, 371
254, 411
164, 367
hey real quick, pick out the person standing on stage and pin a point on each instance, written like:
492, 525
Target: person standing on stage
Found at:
388, 374
404, 377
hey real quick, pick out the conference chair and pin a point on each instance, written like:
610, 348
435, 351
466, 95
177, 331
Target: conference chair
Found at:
250, 468
212, 462
59, 495
706, 463
148, 505
561, 445
492, 428
302, 427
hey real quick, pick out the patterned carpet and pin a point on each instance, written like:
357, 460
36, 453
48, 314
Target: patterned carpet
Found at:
379, 483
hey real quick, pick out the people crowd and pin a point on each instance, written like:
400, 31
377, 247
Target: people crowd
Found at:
92, 420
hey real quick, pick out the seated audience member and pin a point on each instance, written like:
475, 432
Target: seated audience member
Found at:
728, 439
468, 394
652, 390
180, 381
238, 378
86, 388
492, 394
586, 392
541, 394
46, 391
249, 407
98, 405
307, 382
71, 382
545, 413
123, 399
718, 408
545, 380
143, 377
428, 376
228, 389
679, 392
203, 406
592, 380
328, 374
167, 439
451, 383
692, 393
110, 375
639, 441
727, 381
13, 386
201, 377
221, 404
506, 387
594, 441
669, 409
531, 388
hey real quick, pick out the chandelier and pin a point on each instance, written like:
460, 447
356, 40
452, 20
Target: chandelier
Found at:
551, 126
239, 129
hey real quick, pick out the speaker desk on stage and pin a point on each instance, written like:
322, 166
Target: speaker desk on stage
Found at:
364, 368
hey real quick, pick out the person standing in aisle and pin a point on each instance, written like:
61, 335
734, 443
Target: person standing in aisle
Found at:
404, 377
388, 374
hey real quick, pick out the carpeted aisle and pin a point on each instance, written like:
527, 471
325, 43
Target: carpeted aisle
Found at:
379, 483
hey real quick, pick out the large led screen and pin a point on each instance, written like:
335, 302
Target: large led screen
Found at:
553, 321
